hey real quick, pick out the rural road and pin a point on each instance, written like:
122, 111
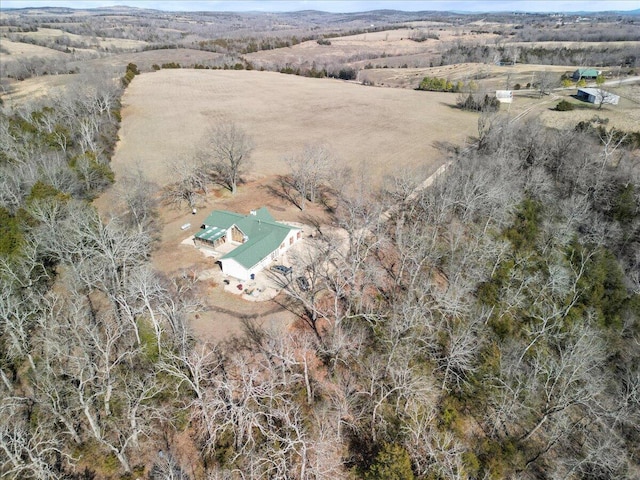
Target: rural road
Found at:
620, 81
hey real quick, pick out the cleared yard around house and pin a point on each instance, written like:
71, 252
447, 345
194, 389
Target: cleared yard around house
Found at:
167, 113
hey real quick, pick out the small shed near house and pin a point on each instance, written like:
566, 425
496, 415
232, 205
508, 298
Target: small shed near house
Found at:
586, 73
597, 96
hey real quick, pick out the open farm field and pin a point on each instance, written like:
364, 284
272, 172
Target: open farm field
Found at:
33, 89
144, 60
84, 41
166, 115
37, 87
376, 131
381, 47
488, 77
630, 45
20, 50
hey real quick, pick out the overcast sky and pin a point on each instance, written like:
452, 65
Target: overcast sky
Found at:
340, 5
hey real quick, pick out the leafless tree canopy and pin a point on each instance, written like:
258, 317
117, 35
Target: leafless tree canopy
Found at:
227, 154
309, 170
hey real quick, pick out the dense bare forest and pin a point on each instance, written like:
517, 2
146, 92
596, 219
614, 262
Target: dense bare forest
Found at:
484, 327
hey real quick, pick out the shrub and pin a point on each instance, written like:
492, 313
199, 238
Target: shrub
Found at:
526, 226
132, 71
347, 73
43, 191
10, 233
132, 67
477, 104
324, 41
517, 86
391, 463
564, 106
434, 84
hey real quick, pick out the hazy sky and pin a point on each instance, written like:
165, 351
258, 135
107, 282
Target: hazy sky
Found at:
340, 5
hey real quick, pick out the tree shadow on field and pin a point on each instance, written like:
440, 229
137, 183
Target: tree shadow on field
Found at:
284, 190
443, 146
453, 106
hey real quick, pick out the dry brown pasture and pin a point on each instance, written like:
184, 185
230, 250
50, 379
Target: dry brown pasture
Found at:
17, 92
489, 77
51, 34
20, 50
144, 60
388, 47
35, 88
166, 115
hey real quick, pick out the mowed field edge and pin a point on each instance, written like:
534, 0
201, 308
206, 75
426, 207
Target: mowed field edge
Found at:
166, 116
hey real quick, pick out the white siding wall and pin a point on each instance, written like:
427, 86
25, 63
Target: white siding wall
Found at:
292, 234
234, 269
261, 265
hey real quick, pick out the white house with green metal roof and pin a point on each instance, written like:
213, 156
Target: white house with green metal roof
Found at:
257, 237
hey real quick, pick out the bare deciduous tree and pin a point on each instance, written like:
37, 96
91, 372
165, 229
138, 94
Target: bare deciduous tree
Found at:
309, 169
228, 150
189, 184
139, 198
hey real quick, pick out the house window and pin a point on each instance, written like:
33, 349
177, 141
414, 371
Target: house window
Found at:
290, 240
299, 235
281, 245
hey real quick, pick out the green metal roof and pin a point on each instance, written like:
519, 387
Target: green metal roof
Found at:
211, 233
264, 234
587, 72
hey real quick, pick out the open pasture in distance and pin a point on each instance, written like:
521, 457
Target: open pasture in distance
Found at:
45, 35
19, 50
167, 113
488, 77
386, 47
631, 46
16, 92
144, 60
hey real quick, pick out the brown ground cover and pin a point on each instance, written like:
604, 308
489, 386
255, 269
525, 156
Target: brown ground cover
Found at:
166, 115
388, 47
51, 34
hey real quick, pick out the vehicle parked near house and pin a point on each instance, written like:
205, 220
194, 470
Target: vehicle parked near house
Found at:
303, 283
281, 269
